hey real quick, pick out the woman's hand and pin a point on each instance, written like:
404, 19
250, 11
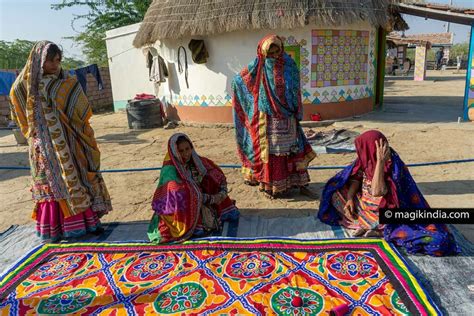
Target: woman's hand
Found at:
383, 151
379, 187
218, 198
350, 209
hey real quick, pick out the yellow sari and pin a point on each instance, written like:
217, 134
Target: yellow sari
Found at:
53, 113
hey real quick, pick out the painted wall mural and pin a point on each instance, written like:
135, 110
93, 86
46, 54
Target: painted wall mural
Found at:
203, 100
299, 52
345, 58
469, 97
326, 94
339, 58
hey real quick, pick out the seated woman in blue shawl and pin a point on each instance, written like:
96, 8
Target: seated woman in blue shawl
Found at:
377, 179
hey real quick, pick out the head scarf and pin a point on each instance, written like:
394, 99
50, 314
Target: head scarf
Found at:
367, 152
267, 87
366, 162
266, 42
56, 112
31, 75
178, 198
175, 157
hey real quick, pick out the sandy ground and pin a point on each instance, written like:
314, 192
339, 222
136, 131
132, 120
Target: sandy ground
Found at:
420, 121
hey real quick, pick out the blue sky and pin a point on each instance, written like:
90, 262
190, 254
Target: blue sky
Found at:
420, 25
35, 20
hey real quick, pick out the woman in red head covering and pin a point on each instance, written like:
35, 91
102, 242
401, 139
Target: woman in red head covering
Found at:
377, 179
369, 186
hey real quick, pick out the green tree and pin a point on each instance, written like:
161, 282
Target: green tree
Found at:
103, 15
430, 54
72, 63
460, 49
13, 55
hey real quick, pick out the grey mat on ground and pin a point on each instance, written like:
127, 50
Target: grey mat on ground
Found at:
332, 142
448, 279
296, 227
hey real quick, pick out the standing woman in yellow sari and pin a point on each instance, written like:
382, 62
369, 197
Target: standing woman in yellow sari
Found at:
53, 113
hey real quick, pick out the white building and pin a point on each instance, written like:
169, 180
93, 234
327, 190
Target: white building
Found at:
339, 60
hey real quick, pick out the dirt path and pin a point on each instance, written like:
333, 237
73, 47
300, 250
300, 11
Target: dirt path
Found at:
444, 186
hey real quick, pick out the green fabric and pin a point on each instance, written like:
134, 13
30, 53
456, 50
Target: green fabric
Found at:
167, 174
153, 230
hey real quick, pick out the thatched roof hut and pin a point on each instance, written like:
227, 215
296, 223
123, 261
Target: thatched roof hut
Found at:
174, 19
338, 46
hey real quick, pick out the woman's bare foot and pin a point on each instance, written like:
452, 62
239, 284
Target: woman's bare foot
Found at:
251, 183
277, 195
359, 232
373, 233
268, 195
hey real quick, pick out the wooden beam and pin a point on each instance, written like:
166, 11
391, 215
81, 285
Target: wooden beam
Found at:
435, 14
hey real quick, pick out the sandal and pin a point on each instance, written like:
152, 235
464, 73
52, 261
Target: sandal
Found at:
268, 195
251, 183
273, 196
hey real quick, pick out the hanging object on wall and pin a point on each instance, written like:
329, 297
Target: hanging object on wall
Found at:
180, 67
199, 51
149, 62
149, 52
157, 69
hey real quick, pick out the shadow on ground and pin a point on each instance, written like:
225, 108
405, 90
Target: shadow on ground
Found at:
16, 159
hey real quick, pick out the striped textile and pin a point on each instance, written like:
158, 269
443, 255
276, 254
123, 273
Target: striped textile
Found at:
53, 113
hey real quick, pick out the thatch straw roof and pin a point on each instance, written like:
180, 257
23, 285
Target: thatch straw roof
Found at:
436, 39
172, 19
441, 6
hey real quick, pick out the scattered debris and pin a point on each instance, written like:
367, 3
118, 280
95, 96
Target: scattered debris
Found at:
171, 125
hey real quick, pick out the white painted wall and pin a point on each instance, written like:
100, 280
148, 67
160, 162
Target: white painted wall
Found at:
128, 72
228, 54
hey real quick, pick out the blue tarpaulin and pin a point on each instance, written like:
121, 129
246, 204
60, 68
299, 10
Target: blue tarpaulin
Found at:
6, 82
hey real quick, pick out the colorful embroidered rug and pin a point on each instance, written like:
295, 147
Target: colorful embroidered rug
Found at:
214, 276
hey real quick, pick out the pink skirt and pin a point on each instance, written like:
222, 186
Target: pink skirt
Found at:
51, 224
